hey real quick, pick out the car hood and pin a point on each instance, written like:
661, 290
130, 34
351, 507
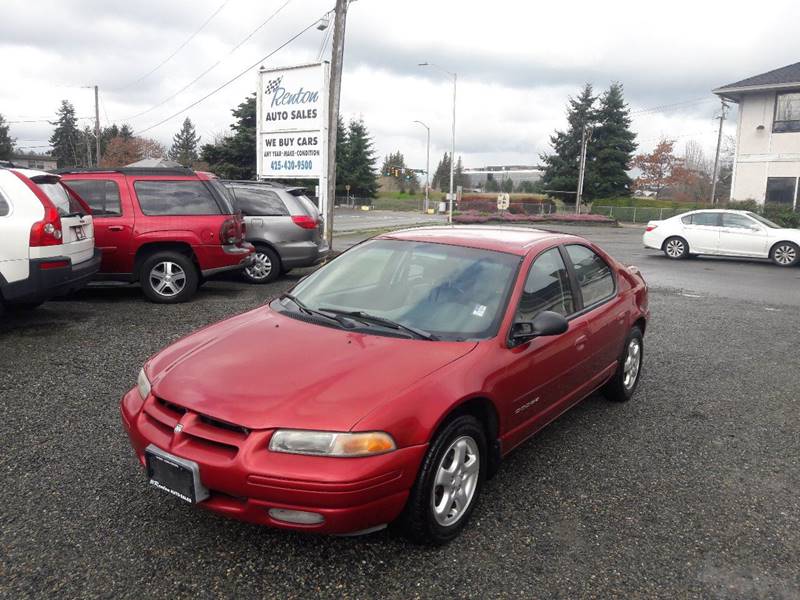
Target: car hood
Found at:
263, 370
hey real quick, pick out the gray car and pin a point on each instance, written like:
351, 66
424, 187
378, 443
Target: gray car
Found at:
283, 224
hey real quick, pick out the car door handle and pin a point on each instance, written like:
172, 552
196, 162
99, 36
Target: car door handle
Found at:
581, 342
115, 228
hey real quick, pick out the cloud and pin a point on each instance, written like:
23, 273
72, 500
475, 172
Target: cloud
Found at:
517, 63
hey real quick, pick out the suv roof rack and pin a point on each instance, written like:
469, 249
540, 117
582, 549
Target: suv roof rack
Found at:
130, 170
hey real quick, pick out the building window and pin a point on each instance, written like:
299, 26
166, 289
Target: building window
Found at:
782, 191
787, 113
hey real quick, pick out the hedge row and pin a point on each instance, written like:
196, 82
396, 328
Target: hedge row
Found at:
530, 207
474, 217
535, 198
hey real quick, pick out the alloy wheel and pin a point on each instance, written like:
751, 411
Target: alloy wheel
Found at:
785, 254
456, 481
675, 248
167, 278
633, 360
261, 267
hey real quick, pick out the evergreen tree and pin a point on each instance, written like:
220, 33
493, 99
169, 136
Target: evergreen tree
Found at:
459, 177
341, 155
6, 141
441, 176
613, 144
125, 132
359, 166
67, 139
561, 167
184, 144
234, 157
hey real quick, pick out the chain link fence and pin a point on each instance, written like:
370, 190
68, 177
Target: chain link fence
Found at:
637, 214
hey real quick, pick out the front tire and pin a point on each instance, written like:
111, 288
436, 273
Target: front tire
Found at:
169, 278
785, 254
448, 483
623, 384
676, 248
266, 267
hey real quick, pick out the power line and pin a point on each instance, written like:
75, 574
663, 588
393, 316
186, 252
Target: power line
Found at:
181, 47
230, 81
665, 107
212, 67
49, 120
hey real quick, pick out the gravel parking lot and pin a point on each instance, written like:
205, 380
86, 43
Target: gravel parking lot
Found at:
690, 490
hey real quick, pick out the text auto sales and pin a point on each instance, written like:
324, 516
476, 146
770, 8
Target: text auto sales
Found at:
282, 97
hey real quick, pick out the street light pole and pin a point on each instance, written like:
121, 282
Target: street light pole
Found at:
427, 164
453, 138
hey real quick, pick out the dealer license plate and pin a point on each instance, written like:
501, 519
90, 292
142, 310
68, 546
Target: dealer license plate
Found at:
174, 475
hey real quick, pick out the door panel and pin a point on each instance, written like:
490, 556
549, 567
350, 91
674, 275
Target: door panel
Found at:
742, 236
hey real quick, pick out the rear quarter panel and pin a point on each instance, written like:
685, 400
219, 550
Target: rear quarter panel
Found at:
15, 227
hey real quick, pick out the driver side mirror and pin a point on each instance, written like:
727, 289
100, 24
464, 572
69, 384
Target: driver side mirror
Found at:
546, 323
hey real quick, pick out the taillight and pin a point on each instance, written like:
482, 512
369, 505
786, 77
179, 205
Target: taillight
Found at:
305, 221
231, 232
47, 232
651, 227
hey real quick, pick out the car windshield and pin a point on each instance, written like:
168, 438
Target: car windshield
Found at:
450, 292
764, 221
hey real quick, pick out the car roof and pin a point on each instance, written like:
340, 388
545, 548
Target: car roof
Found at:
512, 240
139, 171
269, 184
30, 173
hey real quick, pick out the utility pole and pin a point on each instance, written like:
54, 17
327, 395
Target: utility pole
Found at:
427, 165
96, 127
453, 154
721, 118
334, 91
585, 137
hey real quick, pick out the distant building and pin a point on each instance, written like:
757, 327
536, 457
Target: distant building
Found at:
516, 173
34, 161
766, 166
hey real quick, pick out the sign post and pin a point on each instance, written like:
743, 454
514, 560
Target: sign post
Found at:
291, 127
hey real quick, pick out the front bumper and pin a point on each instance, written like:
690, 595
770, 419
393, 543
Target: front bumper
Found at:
44, 283
245, 479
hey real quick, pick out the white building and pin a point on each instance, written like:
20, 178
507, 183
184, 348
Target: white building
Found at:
767, 162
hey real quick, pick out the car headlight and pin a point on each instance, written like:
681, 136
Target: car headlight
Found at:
328, 443
143, 384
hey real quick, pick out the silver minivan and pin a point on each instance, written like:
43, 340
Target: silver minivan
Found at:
283, 224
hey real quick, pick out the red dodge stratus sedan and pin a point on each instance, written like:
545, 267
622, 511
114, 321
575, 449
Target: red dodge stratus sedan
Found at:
389, 383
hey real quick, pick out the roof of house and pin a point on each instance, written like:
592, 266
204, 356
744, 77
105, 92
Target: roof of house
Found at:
788, 76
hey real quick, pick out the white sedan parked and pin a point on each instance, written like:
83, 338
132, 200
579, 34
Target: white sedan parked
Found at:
724, 233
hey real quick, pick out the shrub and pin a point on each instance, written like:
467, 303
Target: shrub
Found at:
474, 217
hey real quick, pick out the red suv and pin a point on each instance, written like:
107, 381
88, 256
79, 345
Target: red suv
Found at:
168, 229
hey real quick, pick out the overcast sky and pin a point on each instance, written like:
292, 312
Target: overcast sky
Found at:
517, 62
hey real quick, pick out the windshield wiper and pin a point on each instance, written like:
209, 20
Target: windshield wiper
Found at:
380, 321
317, 313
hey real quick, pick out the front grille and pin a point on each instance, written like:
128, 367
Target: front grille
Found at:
213, 438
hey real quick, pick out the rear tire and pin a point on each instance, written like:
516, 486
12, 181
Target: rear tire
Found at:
448, 483
169, 277
785, 254
265, 269
676, 248
623, 384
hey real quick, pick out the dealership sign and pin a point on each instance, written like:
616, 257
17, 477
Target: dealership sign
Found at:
291, 132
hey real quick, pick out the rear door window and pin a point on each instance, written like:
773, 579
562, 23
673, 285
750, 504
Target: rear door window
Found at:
185, 197
593, 273
255, 202
706, 219
65, 204
102, 195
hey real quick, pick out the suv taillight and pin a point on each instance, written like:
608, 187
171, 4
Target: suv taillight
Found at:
305, 221
231, 232
47, 232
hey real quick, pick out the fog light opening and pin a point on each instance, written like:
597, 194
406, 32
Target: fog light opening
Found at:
300, 517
